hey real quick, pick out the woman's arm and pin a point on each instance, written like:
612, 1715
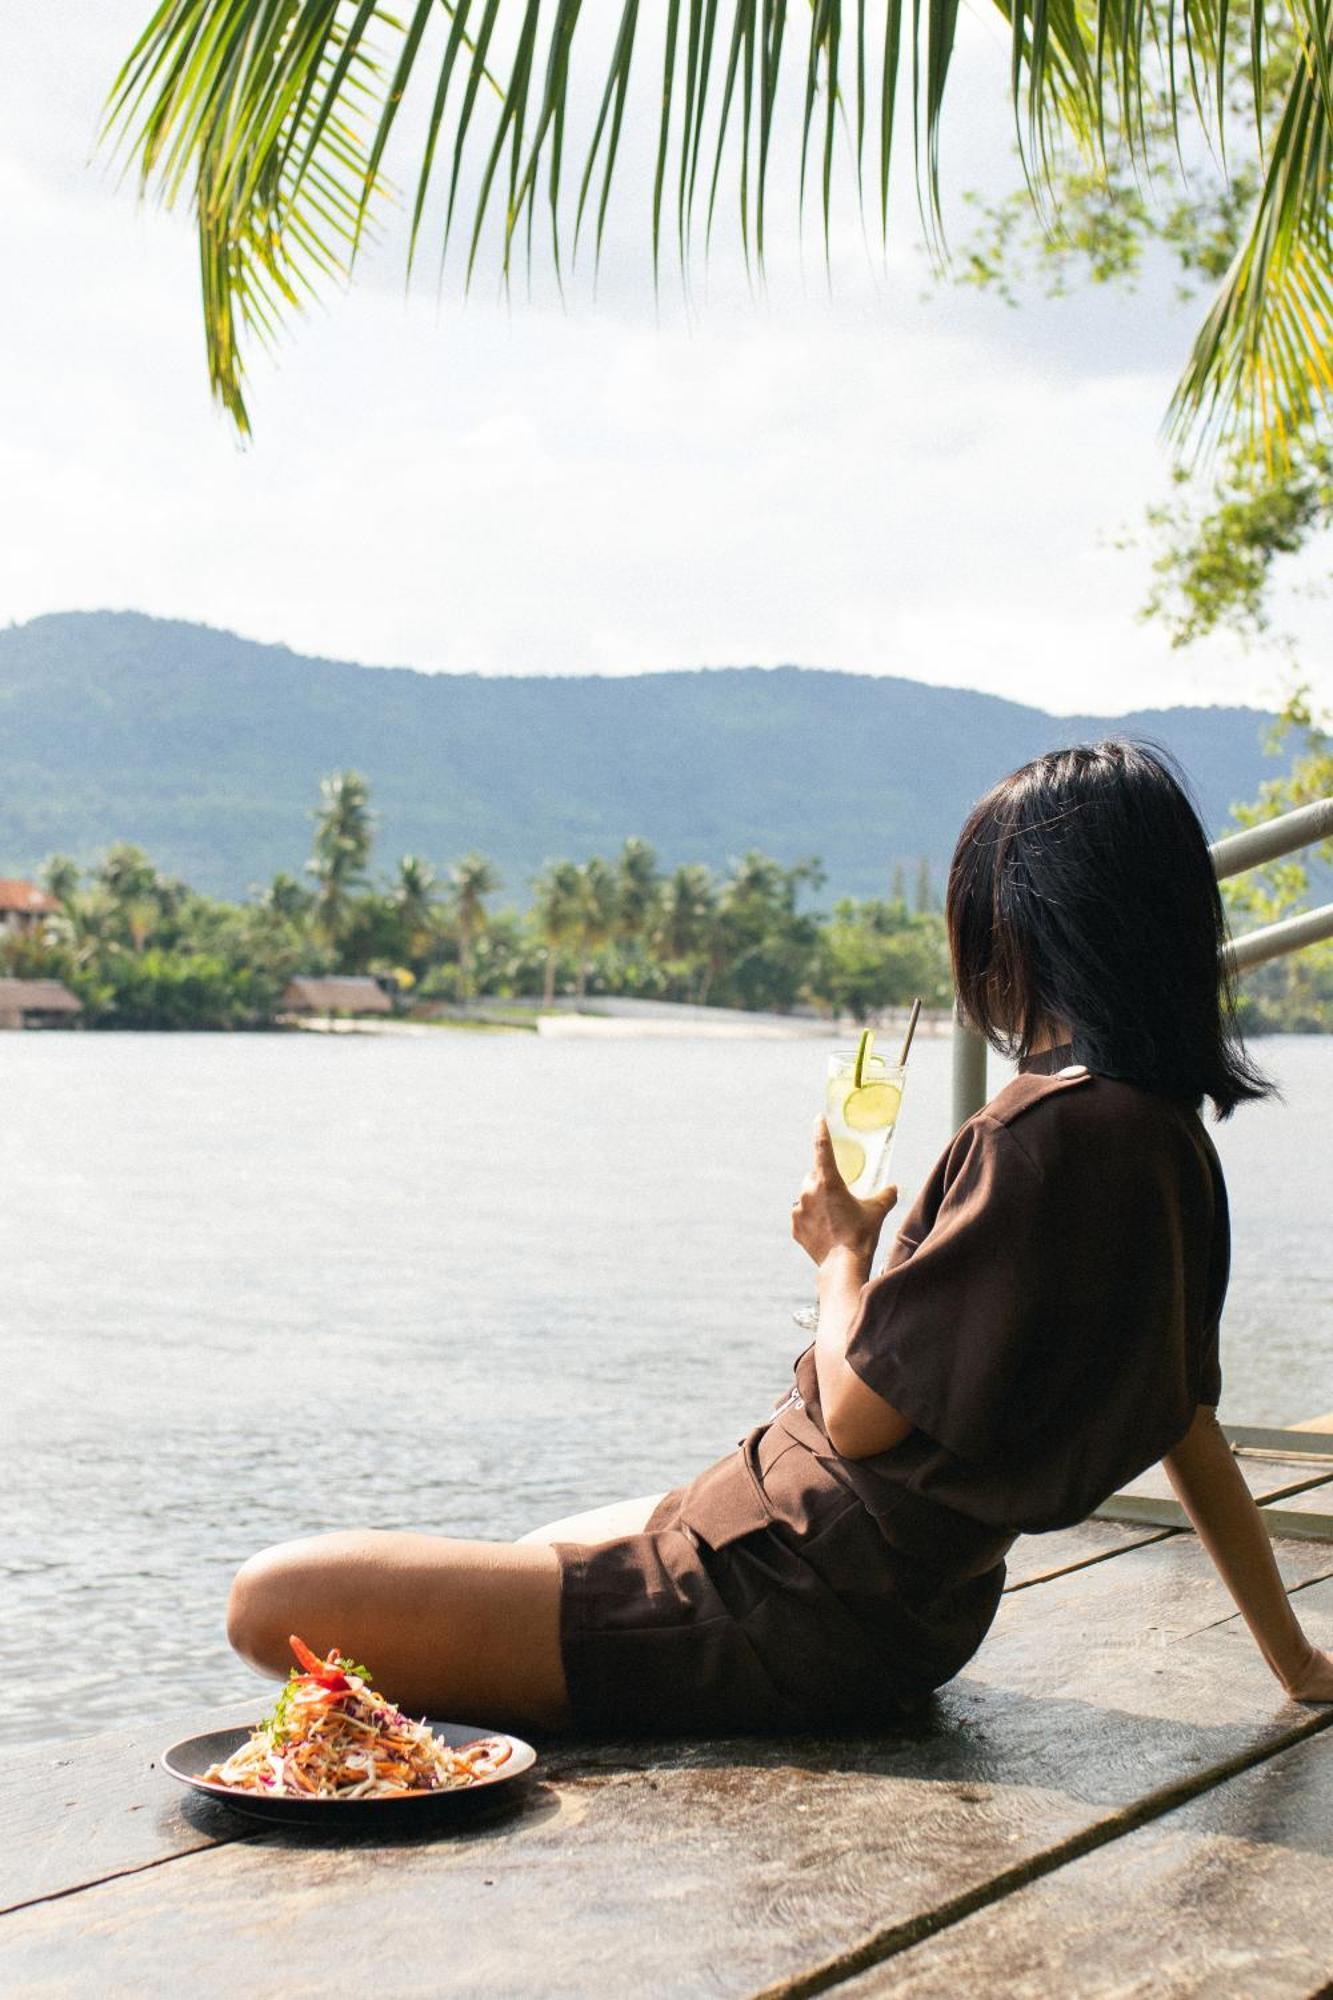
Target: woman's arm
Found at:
1209, 1486
841, 1233
858, 1421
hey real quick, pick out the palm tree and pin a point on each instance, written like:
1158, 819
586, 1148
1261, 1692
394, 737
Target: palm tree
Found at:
94, 927
127, 874
598, 913
138, 897
637, 886
286, 898
557, 900
414, 900
60, 876
344, 831
685, 919
140, 917
273, 118
471, 881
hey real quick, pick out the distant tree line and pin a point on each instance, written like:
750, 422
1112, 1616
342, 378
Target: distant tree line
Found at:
144, 950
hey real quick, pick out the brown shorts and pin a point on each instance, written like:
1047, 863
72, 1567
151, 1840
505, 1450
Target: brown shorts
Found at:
760, 1596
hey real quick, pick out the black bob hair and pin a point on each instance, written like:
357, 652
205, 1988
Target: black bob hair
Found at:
1082, 894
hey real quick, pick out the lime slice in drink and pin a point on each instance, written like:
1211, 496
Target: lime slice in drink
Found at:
842, 1084
872, 1107
851, 1159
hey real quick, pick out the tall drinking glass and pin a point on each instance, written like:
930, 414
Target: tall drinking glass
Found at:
863, 1117
863, 1095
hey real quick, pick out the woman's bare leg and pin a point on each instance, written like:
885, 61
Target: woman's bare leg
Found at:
464, 1629
595, 1524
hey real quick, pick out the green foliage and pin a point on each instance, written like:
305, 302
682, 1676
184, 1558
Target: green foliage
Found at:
1101, 228
556, 908
471, 881
638, 884
60, 876
1270, 492
288, 899
759, 945
158, 988
875, 954
1215, 563
344, 834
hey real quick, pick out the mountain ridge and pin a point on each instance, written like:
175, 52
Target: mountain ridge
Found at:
207, 748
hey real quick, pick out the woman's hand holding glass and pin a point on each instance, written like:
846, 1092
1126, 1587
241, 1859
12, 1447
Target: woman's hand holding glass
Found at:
826, 1216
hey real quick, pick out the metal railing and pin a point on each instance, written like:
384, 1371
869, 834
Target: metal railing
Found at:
1307, 826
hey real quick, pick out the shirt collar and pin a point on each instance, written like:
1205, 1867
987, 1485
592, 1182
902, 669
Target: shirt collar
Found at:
1048, 1062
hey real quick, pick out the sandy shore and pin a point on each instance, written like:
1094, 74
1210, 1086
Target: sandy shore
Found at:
635, 1021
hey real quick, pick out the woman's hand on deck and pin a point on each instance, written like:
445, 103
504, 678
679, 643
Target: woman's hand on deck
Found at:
827, 1216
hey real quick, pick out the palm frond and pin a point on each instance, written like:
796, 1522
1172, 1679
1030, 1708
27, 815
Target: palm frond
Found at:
1262, 364
260, 108
275, 118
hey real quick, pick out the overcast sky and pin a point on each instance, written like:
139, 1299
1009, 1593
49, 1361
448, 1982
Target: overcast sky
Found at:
876, 480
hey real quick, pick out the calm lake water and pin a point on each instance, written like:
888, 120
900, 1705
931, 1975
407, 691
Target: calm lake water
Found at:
261, 1286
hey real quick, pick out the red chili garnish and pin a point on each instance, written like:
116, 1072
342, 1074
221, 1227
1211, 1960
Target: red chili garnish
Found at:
323, 1671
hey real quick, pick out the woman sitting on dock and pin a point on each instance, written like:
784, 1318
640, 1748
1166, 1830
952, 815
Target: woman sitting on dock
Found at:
1046, 1328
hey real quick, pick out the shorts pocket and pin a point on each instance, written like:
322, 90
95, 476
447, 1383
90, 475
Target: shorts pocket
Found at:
725, 1501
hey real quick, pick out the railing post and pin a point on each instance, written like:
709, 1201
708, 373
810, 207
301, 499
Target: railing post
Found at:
1274, 940
1273, 838
969, 1072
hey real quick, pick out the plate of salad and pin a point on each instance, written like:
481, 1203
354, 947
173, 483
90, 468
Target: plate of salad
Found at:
333, 1740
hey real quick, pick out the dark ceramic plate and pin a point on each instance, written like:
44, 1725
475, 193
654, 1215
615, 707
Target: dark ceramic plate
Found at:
186, 1760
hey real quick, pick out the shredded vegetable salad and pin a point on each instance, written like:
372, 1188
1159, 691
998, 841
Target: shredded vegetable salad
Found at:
332, 1736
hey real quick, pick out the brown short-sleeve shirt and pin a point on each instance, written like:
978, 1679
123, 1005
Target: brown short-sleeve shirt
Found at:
1048, 1317
1048, 1321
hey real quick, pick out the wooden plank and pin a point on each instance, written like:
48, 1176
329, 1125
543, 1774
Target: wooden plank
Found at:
721, 1868
1150, 1499
1037, 1558
1307, 1515
1267, 1478
1300, 1442
1231, 1899
74, 1813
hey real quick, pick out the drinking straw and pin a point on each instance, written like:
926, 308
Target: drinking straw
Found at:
911, 1030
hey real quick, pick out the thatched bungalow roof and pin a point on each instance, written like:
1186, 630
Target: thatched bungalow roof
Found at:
37, 996
336, 995
25, 899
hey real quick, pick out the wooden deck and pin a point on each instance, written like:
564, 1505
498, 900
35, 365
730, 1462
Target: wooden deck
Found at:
1114, 1799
